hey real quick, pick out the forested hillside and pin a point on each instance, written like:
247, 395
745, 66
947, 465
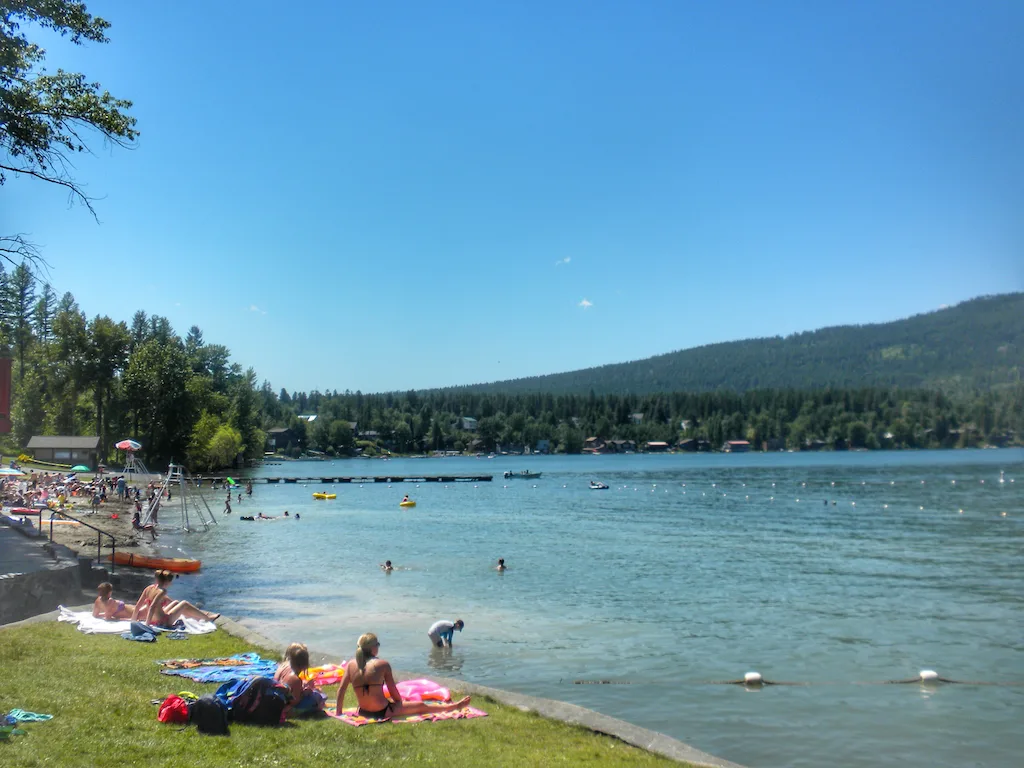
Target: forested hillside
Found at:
976, 344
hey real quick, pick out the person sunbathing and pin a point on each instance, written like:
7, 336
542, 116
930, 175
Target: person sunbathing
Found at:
304, 698
156, 608
368, 675
111, 610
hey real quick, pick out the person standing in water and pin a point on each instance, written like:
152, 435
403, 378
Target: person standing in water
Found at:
387, 567
501, 565
442, 632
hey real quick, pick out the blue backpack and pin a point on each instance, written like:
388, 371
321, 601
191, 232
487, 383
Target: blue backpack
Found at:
256, 700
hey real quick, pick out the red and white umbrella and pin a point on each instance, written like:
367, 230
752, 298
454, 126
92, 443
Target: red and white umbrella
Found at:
127, 445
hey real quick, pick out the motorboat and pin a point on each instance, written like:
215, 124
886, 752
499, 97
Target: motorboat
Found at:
524, 475
596, 486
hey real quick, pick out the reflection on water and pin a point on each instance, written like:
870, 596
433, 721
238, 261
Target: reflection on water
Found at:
445, 660
824, 568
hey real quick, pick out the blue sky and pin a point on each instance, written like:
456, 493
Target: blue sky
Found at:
405, 194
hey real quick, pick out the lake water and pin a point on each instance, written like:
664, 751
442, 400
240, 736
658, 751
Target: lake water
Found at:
691, 568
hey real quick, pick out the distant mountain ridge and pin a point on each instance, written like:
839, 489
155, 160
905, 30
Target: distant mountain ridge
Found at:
977, 344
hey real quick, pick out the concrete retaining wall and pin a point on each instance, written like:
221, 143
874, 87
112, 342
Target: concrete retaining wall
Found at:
27, 594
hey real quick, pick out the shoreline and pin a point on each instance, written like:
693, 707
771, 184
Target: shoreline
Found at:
571, 714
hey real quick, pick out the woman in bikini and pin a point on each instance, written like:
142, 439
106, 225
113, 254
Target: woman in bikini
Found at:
155, 607
111, 610
368, 675
304, 698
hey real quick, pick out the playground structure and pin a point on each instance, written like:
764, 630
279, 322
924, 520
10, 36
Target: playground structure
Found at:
195, 512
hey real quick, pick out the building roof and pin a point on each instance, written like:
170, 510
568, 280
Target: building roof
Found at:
277, 430
64, 441
737, 442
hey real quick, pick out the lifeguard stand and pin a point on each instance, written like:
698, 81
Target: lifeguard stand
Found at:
133, 464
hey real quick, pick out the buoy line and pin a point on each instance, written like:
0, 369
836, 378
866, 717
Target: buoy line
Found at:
755, 679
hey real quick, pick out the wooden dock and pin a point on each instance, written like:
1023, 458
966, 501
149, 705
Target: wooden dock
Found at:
356, 479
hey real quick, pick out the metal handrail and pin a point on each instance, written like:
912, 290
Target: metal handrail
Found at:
99, 541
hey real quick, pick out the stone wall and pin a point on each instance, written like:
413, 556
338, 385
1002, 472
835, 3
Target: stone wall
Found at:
27, 594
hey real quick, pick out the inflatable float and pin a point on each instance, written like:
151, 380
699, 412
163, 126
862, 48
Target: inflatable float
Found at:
325, 495
407, 503
175, 564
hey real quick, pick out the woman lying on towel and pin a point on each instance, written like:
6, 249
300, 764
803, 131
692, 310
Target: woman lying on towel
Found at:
368, 675
111, 610
305, 699
156, 608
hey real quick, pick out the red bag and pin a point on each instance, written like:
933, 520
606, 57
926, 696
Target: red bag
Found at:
173, 710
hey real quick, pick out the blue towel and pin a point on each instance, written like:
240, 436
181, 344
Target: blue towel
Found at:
220, 674
145, 637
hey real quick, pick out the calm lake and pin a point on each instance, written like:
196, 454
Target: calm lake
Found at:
689, 569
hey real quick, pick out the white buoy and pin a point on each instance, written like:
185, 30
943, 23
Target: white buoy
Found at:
885, 506
773, 485
921, 508
1003, 514
952, 482
803, 485
892, 482
798, 499
771, 498
961, 511
833, 483
535, 486
714, 485
982, 482
922, 482
928, 675
753, 678
563, 486
853, 503
748, 498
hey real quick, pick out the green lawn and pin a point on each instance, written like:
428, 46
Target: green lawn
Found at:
99, 689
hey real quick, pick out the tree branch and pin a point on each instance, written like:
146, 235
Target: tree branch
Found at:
75, 189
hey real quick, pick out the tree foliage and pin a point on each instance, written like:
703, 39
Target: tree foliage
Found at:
47, 118
975, 345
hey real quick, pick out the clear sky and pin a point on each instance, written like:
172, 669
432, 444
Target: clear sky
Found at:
399, 195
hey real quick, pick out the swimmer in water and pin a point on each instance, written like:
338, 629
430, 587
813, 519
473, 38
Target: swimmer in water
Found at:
501, 565
387, 567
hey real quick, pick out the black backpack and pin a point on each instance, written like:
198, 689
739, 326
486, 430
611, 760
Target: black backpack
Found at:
209, 716
261, 703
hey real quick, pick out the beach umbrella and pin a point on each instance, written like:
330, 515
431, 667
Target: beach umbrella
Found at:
8, 472
80, 468
127, 445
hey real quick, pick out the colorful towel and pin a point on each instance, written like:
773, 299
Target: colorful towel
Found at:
221, 670
21, 716
90, 625
352, 716
223, 661
225, 674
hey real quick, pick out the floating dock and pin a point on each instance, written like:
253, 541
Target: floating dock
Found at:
356, 479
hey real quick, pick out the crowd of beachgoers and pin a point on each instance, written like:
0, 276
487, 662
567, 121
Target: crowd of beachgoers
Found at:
129, 509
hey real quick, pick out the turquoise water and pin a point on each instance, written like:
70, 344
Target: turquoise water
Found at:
691, 568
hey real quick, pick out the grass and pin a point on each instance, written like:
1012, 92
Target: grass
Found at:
99, 689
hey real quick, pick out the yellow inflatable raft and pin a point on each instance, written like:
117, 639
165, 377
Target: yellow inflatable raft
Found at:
325, 495
407, 503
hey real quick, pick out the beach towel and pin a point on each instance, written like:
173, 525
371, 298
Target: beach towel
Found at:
90, 625
352, 716
222, 661
222, 670
224, 674
21, 716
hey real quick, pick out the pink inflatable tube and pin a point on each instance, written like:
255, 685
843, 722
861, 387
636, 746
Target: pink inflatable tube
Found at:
421, 690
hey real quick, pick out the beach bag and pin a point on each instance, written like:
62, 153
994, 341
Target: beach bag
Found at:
173, 710
256, 700
209, 716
